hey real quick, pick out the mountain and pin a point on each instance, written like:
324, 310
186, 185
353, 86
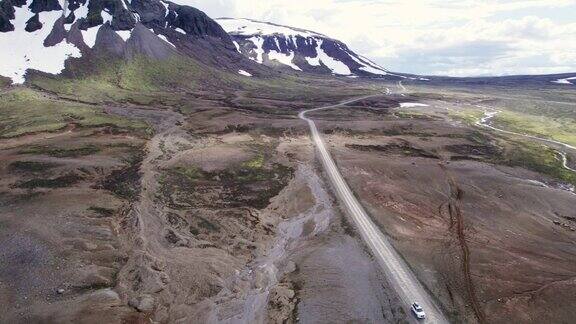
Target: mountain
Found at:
297, 49
42, 34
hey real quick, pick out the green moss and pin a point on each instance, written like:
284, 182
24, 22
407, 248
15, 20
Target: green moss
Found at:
141, 80
24, 111
539, 158
559, 129
256, 163
146, 81
412, 115
469, 116
190, 172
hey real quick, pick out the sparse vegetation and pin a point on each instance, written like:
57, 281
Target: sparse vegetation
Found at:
559, 129
251, 183
59, 182
4, 82
61, 152
104, 212
31, 166
24, 111
401, 149
256, 163
125, 182
467, 115
520, 151
537, 157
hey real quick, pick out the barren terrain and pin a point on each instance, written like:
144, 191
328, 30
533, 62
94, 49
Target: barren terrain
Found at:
213, 208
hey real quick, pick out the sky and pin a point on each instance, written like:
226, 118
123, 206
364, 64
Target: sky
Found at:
431, 37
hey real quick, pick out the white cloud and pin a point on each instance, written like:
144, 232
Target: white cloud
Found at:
464, 37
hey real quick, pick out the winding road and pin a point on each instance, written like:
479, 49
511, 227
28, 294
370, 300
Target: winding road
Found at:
405, 283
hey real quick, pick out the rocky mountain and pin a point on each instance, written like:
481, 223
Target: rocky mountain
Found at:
298, 49
42, 34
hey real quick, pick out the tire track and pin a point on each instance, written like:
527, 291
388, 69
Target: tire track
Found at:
457, 219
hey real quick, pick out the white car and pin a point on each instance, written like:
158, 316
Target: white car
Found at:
418, 311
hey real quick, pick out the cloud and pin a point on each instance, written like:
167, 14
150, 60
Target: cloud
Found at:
467, 37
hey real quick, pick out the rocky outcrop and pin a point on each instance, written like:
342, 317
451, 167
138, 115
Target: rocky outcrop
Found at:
58, 33
196, 23
144, 42
5, 24
74, 36
123, 19
151, 12
33, 24
6, 14
44, 5
109, 42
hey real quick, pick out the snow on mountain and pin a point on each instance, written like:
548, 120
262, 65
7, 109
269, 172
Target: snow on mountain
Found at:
298, 49
22, 50
43, 34
248, 27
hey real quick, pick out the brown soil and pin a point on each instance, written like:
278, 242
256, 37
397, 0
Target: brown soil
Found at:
482, 237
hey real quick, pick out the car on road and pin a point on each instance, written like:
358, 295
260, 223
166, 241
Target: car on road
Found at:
418, 311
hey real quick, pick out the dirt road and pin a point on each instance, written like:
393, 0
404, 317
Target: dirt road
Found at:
399, 274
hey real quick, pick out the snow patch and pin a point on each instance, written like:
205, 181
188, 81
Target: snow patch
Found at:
82, 11
125, 34
165, 6
257, 31
412, 104
335, 66
237, 46
164, 38
285, 59
314, 61
124, 4
366, 67
564, 81
252, 27
89, 35
370, 62
244, 73
180, 30
106, 17
22, 50
372, 70
259, 43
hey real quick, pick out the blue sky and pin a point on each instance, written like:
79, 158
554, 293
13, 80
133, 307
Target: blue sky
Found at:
439, 37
